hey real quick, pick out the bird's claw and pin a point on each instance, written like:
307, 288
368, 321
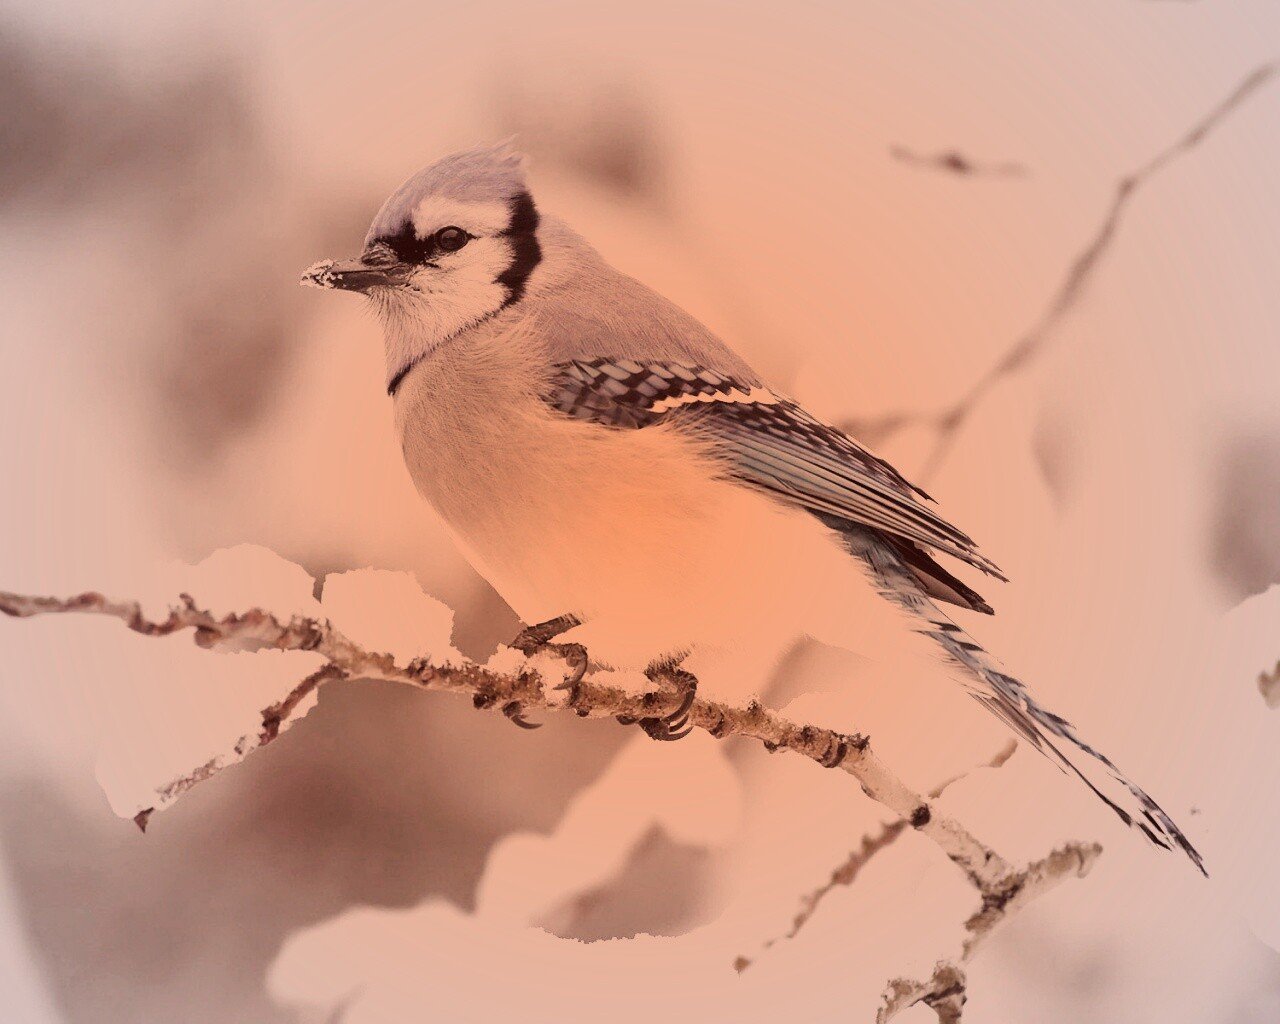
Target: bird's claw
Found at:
663, 731
576, 656
835, 755
515, 711
676, 725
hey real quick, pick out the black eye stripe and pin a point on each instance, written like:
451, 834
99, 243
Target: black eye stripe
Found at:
407, 246
520, 233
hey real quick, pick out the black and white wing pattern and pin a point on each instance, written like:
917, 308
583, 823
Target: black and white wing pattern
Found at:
771, 444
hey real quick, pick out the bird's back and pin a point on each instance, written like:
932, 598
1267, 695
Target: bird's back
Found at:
584, 307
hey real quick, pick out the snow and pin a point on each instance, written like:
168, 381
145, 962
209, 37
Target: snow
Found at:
389, 612
187, 708
687, 789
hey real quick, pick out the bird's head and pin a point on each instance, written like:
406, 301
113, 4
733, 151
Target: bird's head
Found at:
453, 245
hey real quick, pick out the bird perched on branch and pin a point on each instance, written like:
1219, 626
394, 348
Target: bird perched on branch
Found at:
601, 457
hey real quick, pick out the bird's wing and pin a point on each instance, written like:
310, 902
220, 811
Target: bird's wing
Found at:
770, 443
773, 444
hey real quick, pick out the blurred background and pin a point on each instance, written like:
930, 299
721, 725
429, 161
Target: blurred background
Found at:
877, 204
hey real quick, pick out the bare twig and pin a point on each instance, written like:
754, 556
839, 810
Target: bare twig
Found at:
944, 990
1269, 686
953, 161
871, 844
945, 423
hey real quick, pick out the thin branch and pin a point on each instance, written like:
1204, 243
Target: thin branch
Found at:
944, 990
945, 423
1269, 686
952, 161
587, 697
857, 859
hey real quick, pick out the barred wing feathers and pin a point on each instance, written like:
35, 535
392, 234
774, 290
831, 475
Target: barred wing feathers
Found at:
771, 443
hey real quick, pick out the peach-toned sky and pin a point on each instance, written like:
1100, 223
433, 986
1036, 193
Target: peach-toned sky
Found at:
168, 390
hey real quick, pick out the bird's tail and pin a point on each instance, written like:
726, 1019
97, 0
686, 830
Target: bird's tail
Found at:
1007, 699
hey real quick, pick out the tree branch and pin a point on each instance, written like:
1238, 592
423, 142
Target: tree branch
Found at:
944, 991
858, 859
945, 423
952, 161
1269, 686
1001, 888
587, 697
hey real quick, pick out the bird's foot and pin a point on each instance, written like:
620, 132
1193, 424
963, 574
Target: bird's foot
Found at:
533, 638
536, 639
514, 710
835, 754
676, 725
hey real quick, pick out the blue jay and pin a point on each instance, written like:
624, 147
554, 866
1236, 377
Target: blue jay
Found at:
601, 457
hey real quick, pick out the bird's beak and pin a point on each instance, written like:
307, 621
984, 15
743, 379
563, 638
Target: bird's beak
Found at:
354, 275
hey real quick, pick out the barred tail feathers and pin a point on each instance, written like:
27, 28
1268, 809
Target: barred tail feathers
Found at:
1007, 698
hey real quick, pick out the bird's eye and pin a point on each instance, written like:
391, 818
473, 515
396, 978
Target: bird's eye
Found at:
451, 239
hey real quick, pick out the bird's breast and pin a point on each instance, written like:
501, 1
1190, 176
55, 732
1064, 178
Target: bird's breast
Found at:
559, 515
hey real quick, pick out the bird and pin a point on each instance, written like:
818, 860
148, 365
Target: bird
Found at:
620, 475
